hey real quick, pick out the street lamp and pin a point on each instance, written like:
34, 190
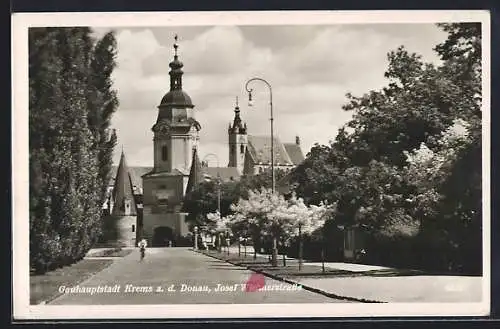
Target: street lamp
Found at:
273, 183
196, 238
272, 119
218, 192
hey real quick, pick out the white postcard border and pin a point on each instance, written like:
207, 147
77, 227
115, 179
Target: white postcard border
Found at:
20, 183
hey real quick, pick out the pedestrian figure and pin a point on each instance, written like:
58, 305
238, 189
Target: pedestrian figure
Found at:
360, 254
142, 245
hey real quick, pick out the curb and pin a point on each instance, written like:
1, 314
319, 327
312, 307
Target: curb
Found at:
305, 287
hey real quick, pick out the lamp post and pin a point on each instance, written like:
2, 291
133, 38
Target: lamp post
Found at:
273, 183
249, 91
219, 247
196, 238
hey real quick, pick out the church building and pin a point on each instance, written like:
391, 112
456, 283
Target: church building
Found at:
175, 135
146, 202
252, 154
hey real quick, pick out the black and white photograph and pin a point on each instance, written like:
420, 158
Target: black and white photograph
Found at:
251, 164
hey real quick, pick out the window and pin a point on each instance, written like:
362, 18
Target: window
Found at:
133, 228
242, 148
164, 153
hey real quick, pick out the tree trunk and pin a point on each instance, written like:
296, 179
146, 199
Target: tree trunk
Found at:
274, 257
323, 259
323, 251
300, 247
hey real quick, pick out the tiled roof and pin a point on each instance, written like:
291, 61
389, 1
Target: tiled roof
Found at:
135, 175
123, 190
259, 148
294, 152
225, 173
195, 174
174, 172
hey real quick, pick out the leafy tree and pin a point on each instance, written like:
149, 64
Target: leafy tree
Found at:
203, 199
65, 190
264, 211
102, 104
390, 168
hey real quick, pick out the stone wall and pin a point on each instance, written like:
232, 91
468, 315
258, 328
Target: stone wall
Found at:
119, 231
173, 220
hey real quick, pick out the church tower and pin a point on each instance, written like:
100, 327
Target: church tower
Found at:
123, 195
238, 140
175, 134
175, 130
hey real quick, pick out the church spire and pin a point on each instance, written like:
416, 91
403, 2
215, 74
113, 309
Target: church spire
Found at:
176, 69
237, 123
123, 194
195, 174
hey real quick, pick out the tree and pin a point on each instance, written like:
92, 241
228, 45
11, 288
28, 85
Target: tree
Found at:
261, 180
447, 195
65, 190
366, 170
202, 200
298, 219
102, 105
263, 209
218, 225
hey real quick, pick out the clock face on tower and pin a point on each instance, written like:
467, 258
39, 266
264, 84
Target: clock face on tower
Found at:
162, 127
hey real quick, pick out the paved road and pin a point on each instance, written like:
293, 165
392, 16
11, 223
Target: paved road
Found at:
175, 267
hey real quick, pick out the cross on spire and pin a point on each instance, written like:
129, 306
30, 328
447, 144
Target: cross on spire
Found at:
175, 45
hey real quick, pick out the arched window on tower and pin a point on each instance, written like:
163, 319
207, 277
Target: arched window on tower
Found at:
242, 148
164, 153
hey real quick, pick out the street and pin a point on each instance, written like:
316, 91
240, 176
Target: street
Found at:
192, 278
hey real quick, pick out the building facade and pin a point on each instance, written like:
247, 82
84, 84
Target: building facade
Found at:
146, 202
121, 211
175, 133
251, 154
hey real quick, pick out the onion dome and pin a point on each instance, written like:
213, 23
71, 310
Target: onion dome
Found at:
176, 96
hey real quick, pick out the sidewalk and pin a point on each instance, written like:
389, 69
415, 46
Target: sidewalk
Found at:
403, 289
380, 284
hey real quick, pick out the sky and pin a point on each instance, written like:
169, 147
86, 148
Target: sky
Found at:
310, 69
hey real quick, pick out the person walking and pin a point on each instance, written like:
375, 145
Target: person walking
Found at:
142, 245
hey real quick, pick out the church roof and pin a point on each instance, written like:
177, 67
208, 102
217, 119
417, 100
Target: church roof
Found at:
195, 174
135, 175
174, 172
259, 148
237, 127
122, 189
198, 173
294, 152
176, 98
225, 173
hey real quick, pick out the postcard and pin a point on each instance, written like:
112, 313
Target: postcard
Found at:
199, 165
